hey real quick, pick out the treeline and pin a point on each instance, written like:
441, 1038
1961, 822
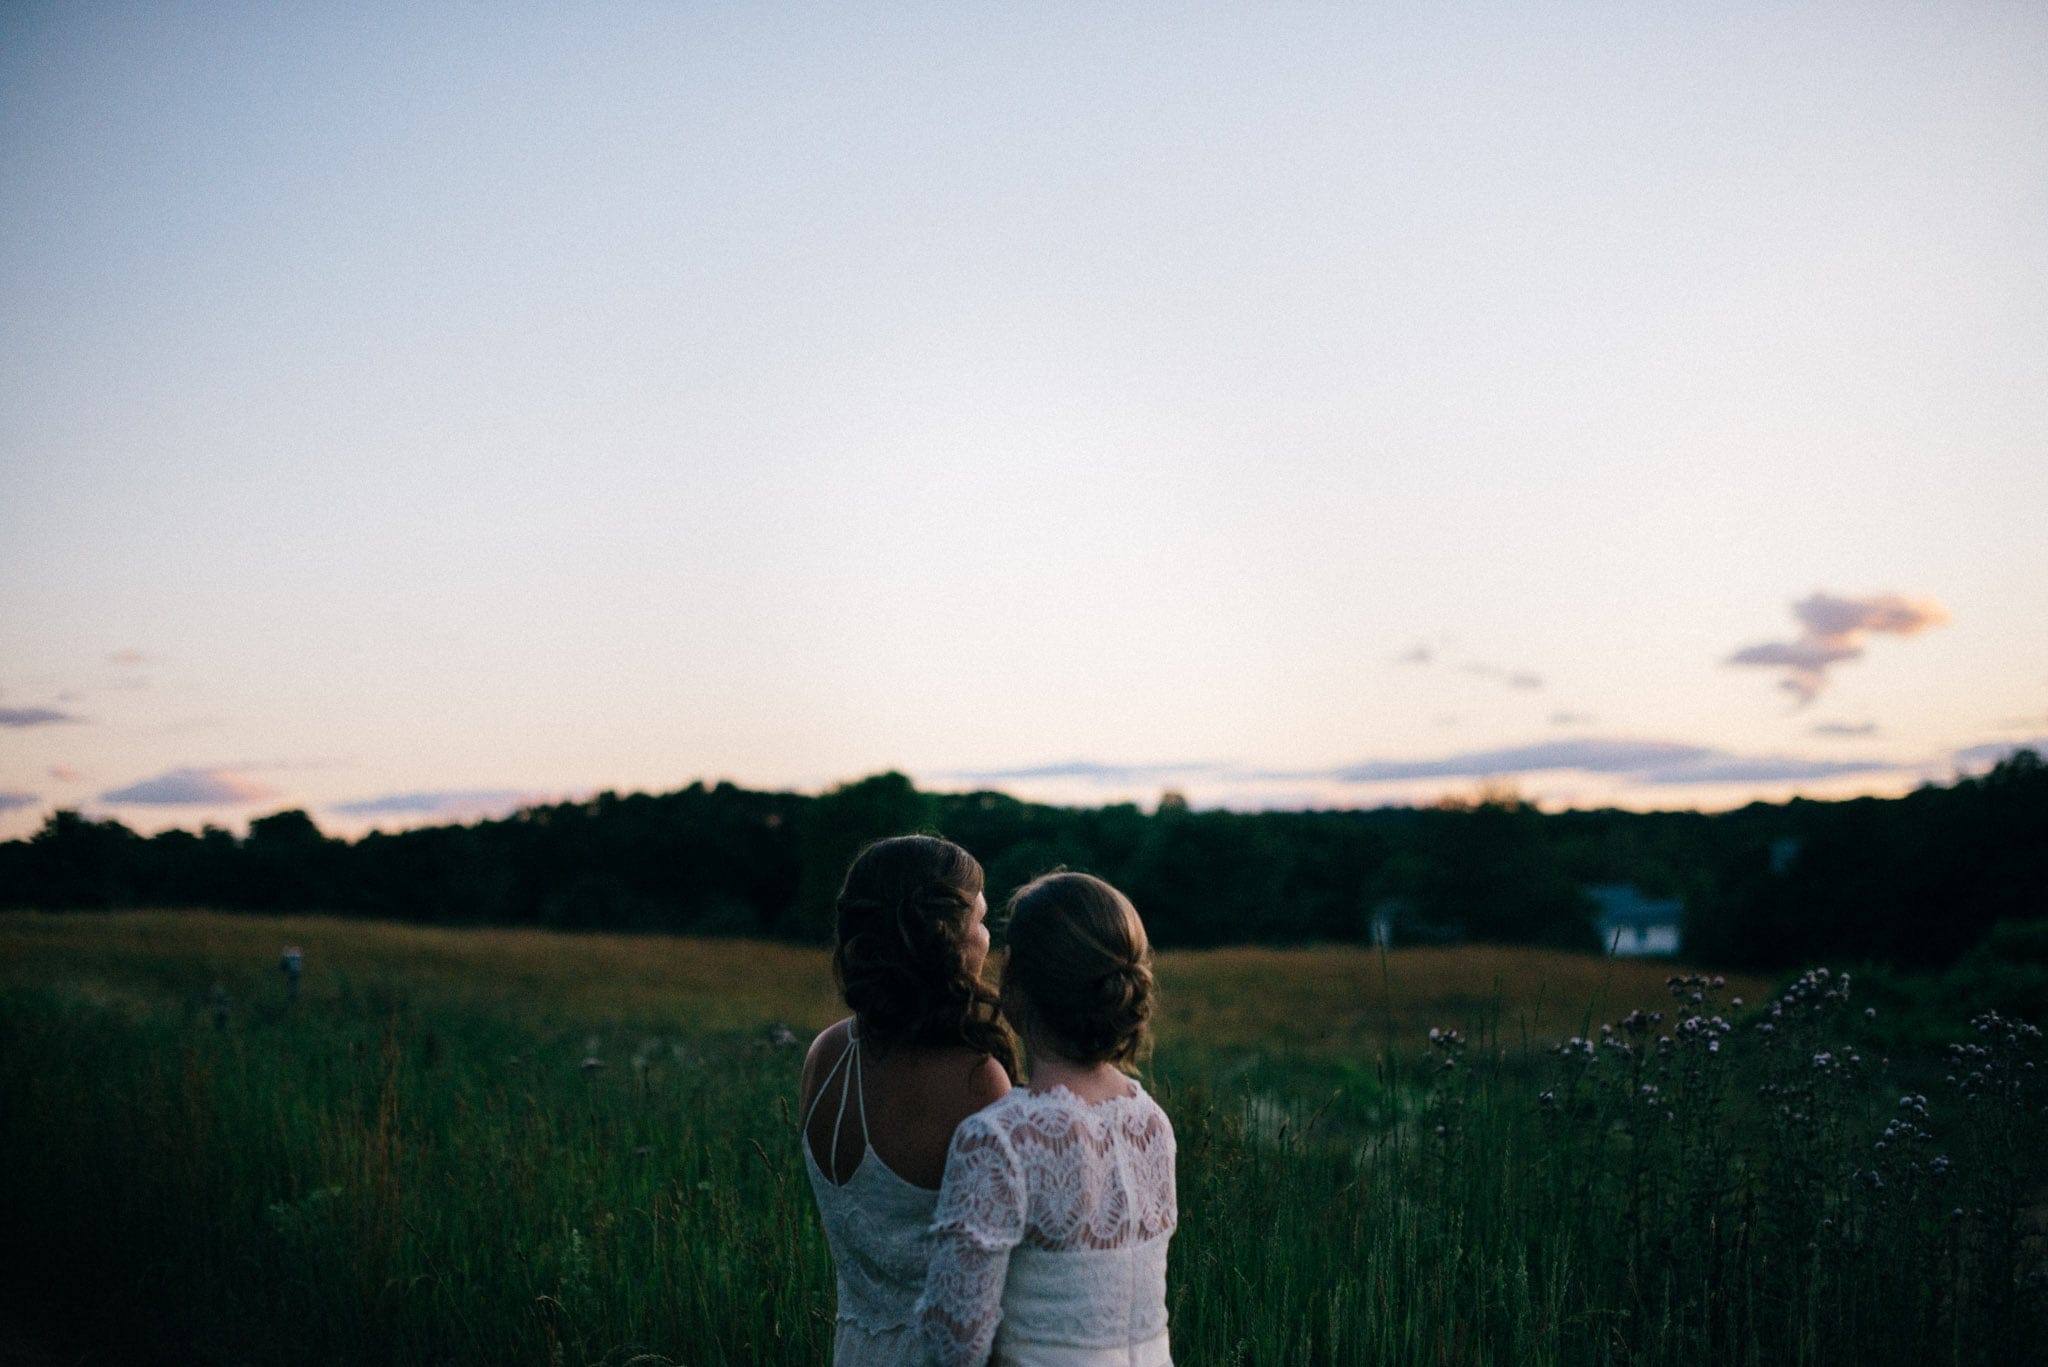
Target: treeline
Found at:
1912, 882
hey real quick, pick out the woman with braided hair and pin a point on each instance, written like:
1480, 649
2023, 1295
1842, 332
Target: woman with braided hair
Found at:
883, 1090
1049, 1239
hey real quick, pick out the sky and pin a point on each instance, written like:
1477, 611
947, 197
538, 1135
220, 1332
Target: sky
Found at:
407, 412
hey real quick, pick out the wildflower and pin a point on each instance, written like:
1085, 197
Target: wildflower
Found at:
1870, 1013
592, 1064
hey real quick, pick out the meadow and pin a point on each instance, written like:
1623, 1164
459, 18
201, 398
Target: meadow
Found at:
523, 1147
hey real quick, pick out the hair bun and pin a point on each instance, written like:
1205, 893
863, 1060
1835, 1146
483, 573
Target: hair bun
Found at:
1121, 983
1078, 968
1123, 1008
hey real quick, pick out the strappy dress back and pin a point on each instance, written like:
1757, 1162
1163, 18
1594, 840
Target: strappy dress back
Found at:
878, 1227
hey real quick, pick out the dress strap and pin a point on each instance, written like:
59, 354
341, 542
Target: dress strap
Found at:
825, 1082
855, 1080
860, 1082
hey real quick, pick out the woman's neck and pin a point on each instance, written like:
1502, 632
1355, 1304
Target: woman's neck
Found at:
1088, 1081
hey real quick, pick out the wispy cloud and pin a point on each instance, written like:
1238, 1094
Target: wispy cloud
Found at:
1759, 769
1636, 762
1570, 718
208, 787
1588, 756
465, 804
129, 659
22, 717
1843, 728
1649, 762
1833, 631
1977, 759
1086, 771
63, 774
11, 800
1513, 678
1478, 669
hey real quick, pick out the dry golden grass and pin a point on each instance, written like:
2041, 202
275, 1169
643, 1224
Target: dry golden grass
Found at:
162, 956
1344, 999
1334, 1000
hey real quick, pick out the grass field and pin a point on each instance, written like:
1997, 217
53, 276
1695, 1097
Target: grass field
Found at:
413, 1163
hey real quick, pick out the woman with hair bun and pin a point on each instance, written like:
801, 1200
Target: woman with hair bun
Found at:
1051, 1229
883, 1090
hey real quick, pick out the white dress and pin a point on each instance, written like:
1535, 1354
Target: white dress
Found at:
1049, 1242
878, 1228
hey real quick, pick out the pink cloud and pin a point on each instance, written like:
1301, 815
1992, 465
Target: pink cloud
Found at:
1833, 631
1827, 616
191, 788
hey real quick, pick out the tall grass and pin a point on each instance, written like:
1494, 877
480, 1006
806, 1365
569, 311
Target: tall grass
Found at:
415, 1164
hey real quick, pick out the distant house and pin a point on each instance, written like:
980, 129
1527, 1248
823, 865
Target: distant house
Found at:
1630, 923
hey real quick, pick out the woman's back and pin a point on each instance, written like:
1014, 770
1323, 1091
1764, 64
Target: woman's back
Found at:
1050, 1234
876, 1216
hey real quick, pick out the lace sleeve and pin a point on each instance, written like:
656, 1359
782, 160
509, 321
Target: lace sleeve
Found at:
980, 1218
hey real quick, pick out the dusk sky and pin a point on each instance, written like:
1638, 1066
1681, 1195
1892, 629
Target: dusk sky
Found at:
407, 411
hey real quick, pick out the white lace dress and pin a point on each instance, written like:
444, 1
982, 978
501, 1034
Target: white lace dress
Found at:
878, 1227
1049, 1241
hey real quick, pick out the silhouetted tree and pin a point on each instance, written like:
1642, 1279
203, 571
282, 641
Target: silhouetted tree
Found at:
1914, 882
836, 826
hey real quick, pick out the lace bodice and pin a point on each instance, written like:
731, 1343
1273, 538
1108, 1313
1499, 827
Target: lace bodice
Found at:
1049, 1240
878, 1228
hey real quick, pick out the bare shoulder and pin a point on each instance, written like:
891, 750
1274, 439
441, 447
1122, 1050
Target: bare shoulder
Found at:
988, 1083
966, 1080
825, 1050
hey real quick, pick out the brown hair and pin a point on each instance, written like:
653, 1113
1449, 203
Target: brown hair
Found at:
899, 952
1079, 969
